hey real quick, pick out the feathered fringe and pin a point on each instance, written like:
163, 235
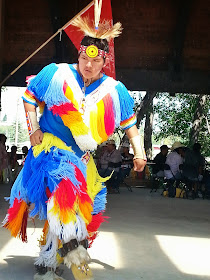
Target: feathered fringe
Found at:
40, 83
64, 200
126, 102
91, 238
43, 238
94, 180
49, 141
55, 86
76, 256
81, 229
37, 194
47, 256
108, 115
104, 30
51, 166
85, 211
18, 191
62, 109
22, 233
116, 107
96, 222
16, 219
100, 201
93, 127
74, 229
70, 95
93, 227
74, 121
86, 142
100, 121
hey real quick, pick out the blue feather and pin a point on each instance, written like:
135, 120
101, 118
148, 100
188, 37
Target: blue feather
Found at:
100, 201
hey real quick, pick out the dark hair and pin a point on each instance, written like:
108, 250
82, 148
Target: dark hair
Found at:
3, 136
102, 44
196, 147
164, 147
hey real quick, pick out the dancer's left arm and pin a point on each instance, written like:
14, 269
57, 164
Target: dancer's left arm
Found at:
139, 159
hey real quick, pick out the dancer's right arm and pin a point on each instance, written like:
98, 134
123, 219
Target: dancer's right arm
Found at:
35, 134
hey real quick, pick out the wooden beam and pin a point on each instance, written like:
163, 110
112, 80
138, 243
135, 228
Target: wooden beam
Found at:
134, 79
55, 14
160, 81
2, 4
176, 59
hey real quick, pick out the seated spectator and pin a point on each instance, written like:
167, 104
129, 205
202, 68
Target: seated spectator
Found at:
173, 161
24, 155
193, 168
194, 163
110, 164
101, 156
3, 160
14, 167
159, 160
25, 151
127, 160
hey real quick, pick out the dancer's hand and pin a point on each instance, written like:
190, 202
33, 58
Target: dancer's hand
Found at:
139, 164
36, 137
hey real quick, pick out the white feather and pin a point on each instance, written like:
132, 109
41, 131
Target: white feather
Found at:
76, 256
47, 256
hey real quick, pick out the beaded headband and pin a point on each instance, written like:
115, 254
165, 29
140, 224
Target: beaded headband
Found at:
92, 51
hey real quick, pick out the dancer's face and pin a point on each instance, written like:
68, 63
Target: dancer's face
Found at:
90, 67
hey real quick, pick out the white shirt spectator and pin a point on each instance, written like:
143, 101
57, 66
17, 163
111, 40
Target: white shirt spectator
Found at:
111, 157
173, 160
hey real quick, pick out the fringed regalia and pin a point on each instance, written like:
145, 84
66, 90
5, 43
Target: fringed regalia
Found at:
59, 182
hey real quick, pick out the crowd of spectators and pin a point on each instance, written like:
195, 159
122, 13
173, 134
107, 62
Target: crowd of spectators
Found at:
182, 164
116, 163
11, 162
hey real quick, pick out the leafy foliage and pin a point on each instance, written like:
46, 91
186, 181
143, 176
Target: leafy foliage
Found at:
10, 132
175, 116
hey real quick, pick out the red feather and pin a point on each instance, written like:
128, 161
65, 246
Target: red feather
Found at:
65, 195
13, 211
23, 234
62, 109
97, 220
84, 197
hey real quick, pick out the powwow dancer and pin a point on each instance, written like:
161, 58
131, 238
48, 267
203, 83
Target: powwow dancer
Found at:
81, 107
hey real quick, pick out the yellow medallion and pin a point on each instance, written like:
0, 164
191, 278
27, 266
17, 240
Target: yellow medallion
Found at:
92, 51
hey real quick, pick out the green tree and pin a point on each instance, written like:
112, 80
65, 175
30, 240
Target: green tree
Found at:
175, 117
22, 133
10, 132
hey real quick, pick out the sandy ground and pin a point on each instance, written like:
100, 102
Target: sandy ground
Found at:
147, 237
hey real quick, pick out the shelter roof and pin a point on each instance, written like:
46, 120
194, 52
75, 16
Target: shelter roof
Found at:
165, 44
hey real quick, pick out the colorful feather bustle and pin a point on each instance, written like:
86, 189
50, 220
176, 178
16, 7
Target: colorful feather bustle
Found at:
16, 219
93, 227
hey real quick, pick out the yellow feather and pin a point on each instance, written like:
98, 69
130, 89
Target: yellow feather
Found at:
100, 121
94, 180
75, 123
105, 31
93, 127
49, 140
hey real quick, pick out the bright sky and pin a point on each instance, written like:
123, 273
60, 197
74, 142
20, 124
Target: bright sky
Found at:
11, 104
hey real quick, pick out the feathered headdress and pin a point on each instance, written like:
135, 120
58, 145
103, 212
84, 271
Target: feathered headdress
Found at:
104, 30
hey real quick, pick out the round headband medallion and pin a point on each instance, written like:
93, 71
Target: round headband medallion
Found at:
92, 51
